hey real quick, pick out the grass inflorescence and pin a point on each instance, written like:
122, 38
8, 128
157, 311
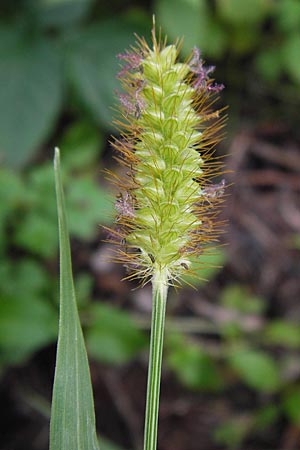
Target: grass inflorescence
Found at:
169, 129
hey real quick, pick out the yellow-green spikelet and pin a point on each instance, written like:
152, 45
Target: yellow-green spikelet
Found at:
162, 209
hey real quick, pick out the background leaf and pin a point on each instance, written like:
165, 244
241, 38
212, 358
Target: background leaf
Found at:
291, 401
26, 325
91, 61
62, 12
192, 365
30, 94
257, 369
290, 56
27, 320
89, 204
113, 337
81, 143
238, 297
206, 266
283, 333
191, 20
72, 415
288, 15
245, 12
232, 433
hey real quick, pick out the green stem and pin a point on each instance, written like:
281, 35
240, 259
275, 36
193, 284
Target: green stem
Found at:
160, 290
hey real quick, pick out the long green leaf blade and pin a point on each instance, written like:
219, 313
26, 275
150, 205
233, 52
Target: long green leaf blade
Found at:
72, 416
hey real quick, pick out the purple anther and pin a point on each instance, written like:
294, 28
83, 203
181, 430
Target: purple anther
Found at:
133, 61
202, 79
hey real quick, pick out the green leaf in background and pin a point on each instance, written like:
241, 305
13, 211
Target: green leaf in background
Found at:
83, 289
238, 297
214, 39
191, 19
36, 234
89, 206
239, 300
29, 277
27, 321
232, 433
60, 13
266, 416
290, 51
39, 188
37, 231
26, 325
291, 402
206, 266
109, 445
237, 12
183, 18
288, 15
244, 38
11, 188
30, 94
268, 63
89, 203
192, 365
283, 333
11, 191
81, 146
256, 368
72, 414
113, 337
91, 64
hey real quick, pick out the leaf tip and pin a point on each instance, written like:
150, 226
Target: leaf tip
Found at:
56, 156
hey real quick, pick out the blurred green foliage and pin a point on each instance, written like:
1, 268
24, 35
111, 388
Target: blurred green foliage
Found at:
53, 58
27, 321
57, 83
291, 399
266, 31
59, 55
192, 364
255, 367
205, 267
233, 432
29, 245
112, 336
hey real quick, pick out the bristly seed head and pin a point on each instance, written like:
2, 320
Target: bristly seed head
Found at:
167, 207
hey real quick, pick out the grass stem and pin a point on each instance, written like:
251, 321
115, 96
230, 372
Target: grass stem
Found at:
160, 290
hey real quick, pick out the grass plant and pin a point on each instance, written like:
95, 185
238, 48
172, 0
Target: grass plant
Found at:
166, 216
166, 207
